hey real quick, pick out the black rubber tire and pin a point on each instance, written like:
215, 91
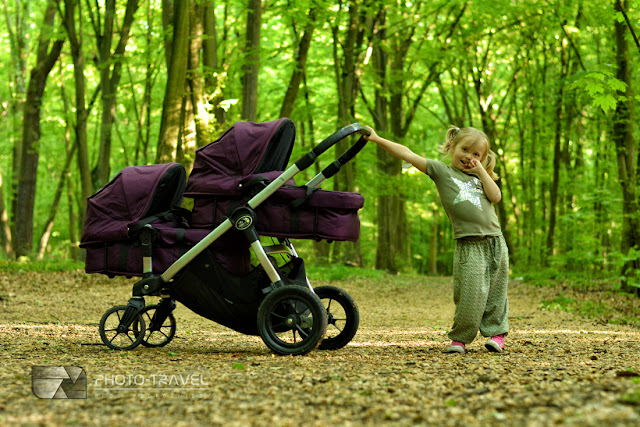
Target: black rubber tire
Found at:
343, 321
154, 338
115, 340
292, 320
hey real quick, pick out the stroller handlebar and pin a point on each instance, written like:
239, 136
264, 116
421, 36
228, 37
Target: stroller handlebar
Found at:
308, 159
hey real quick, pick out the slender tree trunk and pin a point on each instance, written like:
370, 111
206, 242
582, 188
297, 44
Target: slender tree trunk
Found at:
75, 40
557, 154
47, 54
171, 124
299, 67
251, 61
5, 228
211, 64
626, 153
347, 80
48, 225
195, 83
16, 24
110, 66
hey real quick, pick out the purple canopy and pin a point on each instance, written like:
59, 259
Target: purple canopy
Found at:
244, 149
137, 192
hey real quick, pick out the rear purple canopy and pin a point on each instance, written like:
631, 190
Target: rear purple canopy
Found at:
135, 193
245, 149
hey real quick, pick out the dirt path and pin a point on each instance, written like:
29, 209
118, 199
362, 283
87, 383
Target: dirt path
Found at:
558, 368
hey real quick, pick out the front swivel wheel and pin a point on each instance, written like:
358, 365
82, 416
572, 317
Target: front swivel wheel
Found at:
292, 320
117, 335
161, 326
343, 317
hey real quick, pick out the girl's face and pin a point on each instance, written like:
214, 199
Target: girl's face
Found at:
464, 152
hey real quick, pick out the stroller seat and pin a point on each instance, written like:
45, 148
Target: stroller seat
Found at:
229, 171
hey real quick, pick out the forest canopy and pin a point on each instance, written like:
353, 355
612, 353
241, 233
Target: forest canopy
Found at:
93, 86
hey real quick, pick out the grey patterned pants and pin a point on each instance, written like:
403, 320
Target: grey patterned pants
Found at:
480, 278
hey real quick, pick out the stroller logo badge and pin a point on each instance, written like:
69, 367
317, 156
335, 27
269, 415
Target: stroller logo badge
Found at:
59, 382
244, 222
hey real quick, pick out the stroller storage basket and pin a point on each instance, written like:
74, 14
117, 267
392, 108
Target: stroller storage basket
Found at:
147, 195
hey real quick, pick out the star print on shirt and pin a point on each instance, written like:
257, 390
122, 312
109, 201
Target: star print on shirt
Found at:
469, 191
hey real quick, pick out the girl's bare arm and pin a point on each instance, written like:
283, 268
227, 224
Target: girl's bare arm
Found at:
398, 150
491, 189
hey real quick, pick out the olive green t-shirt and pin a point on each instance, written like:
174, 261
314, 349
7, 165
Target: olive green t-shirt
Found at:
464, 200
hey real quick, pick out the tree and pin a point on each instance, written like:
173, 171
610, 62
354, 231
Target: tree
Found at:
626, 152
251, 65
177, 58
110, 68
49, 48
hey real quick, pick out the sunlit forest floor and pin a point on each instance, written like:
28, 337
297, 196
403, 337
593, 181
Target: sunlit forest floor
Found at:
571, 358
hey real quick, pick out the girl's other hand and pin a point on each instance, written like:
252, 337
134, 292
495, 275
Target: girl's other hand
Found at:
476, 167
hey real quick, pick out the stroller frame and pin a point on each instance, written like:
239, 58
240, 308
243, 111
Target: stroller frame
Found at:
305, 313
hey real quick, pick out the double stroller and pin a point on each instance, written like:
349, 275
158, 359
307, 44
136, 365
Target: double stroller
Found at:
230, 258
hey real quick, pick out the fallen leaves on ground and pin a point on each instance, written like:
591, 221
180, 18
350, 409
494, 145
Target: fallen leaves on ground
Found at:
558, 367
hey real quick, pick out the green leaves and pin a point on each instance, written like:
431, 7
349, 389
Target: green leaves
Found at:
604, 89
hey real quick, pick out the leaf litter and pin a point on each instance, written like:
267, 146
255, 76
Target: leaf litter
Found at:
559, 367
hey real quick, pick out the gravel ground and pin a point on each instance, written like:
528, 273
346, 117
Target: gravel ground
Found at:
557, 368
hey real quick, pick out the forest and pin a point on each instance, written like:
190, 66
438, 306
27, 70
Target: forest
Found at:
92, 86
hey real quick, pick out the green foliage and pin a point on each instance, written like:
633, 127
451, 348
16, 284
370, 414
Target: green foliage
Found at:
500, 71
25, 264
602, 87
341, 272
588, 309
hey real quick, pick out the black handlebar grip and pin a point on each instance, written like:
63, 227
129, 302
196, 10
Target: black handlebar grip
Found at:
307, 160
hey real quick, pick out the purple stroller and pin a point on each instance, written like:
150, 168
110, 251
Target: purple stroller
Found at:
202, 258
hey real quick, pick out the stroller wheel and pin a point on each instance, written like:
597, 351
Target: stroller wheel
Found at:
159, 332
292, 320
119, 338
342, 314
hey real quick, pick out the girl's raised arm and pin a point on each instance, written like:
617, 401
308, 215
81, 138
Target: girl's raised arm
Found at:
398, 150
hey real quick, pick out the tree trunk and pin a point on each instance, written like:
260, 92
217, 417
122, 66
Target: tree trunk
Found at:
17, 24
75, 40
47, 54
211, 65
48, 225
626, 154
251, 61
196, 86
5, 228
171, 123
110, 66
298, 67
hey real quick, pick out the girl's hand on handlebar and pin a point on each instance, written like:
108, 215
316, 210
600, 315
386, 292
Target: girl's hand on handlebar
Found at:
372, 134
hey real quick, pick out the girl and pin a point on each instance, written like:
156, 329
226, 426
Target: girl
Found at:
467, 190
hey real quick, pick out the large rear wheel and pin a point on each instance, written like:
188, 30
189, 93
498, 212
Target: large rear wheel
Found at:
292, 320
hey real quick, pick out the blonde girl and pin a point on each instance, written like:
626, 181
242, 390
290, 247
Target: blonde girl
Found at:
468, 190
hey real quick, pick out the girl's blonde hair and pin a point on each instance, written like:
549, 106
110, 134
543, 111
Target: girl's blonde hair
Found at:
471, 136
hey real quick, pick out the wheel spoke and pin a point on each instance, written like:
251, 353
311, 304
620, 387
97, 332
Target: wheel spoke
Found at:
302, 332
329, 305
277, 325
335, 326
